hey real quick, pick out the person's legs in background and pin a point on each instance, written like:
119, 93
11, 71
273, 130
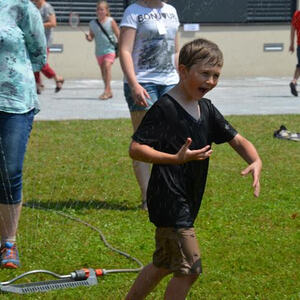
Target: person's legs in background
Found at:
142, 170
49, 73
106, 76
14, 134
38, 82
293, 83
9, 219
105, 62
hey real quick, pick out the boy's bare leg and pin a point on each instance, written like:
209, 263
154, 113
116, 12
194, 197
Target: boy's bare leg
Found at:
146, 281
141, 169
178, 287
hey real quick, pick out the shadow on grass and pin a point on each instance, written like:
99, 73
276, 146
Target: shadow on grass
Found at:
78, 205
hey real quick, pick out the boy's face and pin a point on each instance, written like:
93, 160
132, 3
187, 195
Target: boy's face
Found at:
199, 79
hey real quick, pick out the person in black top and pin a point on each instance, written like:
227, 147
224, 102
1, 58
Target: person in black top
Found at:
176, 136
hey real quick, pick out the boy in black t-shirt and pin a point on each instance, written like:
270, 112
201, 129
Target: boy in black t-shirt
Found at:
176, 136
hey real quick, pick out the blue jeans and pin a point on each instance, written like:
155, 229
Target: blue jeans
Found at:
155, 91
14, 134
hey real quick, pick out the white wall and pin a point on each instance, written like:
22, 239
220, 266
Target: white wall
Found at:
242, 47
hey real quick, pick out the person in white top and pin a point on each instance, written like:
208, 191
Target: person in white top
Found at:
148, 56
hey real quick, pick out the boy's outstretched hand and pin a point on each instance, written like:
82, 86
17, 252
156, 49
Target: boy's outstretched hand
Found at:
254, 169
145, 153
248, 152
185, 154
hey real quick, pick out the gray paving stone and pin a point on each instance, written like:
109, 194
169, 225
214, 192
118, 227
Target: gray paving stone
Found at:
244, 96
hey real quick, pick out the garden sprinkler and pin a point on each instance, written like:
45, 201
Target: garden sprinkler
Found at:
83, 277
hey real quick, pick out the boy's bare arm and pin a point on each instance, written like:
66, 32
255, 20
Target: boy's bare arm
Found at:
145, 153
248, 152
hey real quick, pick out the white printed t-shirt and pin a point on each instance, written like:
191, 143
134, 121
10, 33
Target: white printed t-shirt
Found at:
154, 48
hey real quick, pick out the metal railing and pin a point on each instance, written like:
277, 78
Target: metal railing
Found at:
85, 9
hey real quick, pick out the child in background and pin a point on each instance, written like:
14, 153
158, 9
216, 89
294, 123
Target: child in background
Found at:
49, 19
105, 49
176, 136
295, 31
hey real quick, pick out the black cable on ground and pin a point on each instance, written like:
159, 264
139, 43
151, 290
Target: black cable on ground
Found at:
102, 238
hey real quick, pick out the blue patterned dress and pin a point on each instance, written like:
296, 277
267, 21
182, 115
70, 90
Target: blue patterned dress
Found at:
22, 51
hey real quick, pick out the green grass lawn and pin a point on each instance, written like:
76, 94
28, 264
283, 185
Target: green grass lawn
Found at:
250, 247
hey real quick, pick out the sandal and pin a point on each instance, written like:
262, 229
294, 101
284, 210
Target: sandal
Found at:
38, 90
59, 84
293, 89
283, 133
105, 96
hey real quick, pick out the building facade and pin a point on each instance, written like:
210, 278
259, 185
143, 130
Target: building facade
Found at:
254, 35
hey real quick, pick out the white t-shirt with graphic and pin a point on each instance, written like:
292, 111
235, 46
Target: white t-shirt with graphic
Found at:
154, 48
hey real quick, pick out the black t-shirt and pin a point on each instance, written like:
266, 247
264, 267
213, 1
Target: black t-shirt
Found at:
175, 191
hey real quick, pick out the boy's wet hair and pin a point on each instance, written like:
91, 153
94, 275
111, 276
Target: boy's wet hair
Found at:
200, 51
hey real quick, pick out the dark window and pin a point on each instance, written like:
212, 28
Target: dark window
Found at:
191, 11
270, 11
234, 11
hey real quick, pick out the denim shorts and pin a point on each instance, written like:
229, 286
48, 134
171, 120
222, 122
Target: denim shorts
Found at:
155, 91
14, 134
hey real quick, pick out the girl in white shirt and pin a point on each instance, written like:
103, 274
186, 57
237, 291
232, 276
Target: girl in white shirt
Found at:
148, 55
